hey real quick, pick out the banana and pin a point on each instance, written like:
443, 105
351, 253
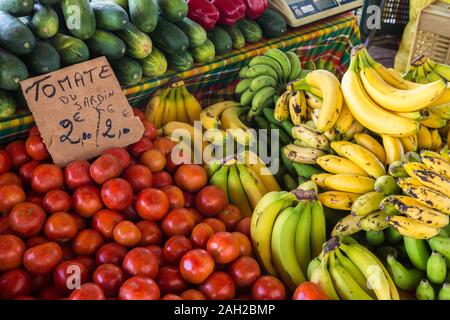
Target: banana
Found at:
243, 86
415, 115
302, 238
253, 161
235, 127
436, 139
313, 265
212, 167
444, 292
410, 144
392, 236
436, 268
220, 179
297, 107
301, 154
193, 107
312, 100
425, 291
386, 185
431, 180
434, 121
374, 238
405, 183
360, 156
305, 170
281, 111
410, 228
424, 138
355, 128
319, 179
367, 203
345, 120
442, 111
210, 116
262, 99
180, 107
170, 109
337, 165
258, 60
338, 199
322, 278
374, 221
393, 148
159, 109
151, 107
349, 183
347, 226
428, 197
310, 137
280, 57
441, 245
370, 143
443, 100
236, 192
443, 70
261, 82
318, 228
259, 184
261, 69
177, 131
253, 188
295, 65
243, 73
405, 279
396, 170
437, 164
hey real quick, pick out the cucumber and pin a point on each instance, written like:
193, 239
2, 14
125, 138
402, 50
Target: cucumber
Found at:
139, 45
49, 2
8, 104
18, 8
127, 70
12, 71
155, 64
181, 61
144, 14
204, 53
15, 36
44, 58
44, 22
272, 24
71, 50
109, 16
194, 31
251, 30
122, 3
105, 43
236, 36
80, 18
222, 41
174, 10
169, 38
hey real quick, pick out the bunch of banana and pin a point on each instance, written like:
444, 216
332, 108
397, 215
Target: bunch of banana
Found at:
425, 70
347, 270
174, 103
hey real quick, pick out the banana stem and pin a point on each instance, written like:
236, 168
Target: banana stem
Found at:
305, 194
331, 245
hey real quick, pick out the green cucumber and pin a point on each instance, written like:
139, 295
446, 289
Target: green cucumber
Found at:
15, 36
71, 50
122, 3
127, 70
204, 53
236, 36
169, 38
251, 30
8, 105
12, 71
155, 65
221, 39
18, 8
144, 14
105, 43
139, 45
109, 16
174, 10
195, 32
44, 22
79, 17
272, 24
180, 62
44, 58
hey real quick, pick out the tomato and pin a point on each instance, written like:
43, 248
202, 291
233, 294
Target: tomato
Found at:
109, 278
86, 201
152, 204
244, 226
68, 274
138, 148
127, 234
141, 262
175, 196
197, 215
150, 233
196, 265
121, 154
56, 200
245, 245
218, 286
10, 196
104, 168
138, 176
4, 229
216, 224
191, 177
5, 162
18, 153
88, 291
178, 222
309, 291
104, 222
26, 219
34, 131
170, 280
175, 248
189, 199
36, 240
80, 221
50, 293
14, 283
150, 130
26, 170
36, 148
230, 215
117, 194
87, 242
130, 213
268, 288
60, 227
9, 178
112, 252
153, 159
47, 177
76, 174
42, 258
172, 165
164, 144
171, 296
210, 201
224, 247
139, 113
162, 179
139, 288
159, 253
35, 198
193, 294
68, 253
200, 235
39, 282
88, 262
244, 271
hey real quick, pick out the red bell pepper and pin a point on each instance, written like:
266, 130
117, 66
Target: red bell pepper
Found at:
231, 11
203, 12
255, 8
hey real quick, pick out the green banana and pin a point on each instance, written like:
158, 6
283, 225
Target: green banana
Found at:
288, 164
411, 156
387, 205
268, 114
261, 69
212, 167
282, 59
261, 82
385, 251
236, 193
262, 99
375, 221
220, 179
305, 170
303, 237
322, 278
309, 65
287, 126
295, 65
318, 229
441, 245
386, 185
313, 265
443, 70
367, 203
405, 279
417, 252
242, 86
243, 73
436, 268
283, 136
289, 182
444, 292
425, 291
262, 123
247, 97
397, 170
374, 238
258, 60
392, 235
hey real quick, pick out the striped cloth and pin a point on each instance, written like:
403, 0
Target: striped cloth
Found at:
328, 40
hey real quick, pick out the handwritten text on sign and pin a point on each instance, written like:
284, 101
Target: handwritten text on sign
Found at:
81, 111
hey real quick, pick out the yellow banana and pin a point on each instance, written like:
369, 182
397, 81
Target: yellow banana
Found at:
434, 121
415, 115
345, 120
312, 100
181, 108
170, 109
367, 203
431, 180
185, 132
319, 179
281, 111
410, 167
253, 188
310, 137
336, 164
193, 107
151, 107
236, 192
338, 199
210, 116
253, 161
347, 226
442, 111
410, 228
302, 154
371, 144
297, 107
375, 221
235, 127
436, 140
393, 148
355, 128
428, 197
349, 183
424, 138
159, 110
409, 143
443, 100
437, 164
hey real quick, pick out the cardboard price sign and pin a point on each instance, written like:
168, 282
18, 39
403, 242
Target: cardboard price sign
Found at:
81, 111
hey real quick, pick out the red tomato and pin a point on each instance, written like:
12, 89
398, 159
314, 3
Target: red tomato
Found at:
268, 288
39, 282
141, 262
104, 222
164, 144
309, 291
56, 200
36, 148
170, 280
196, 265
218, 286
175, 196
88, 291
139, 113
139, 288
210, 201
10, 196
140, 147
139, 177
14, 283
150, 233
68, 274
200, 235
117, 194
161, 179
26, 171
127, 234
191, 177
88, 262
189, 199
80, 221
130, 213
77, 174
47, 177
104, 168
18, 153
4, 229
198, 217
193, 294
50, 293
244, 271
86, 201
230, 215
34, 241
87, 242
178, 222
34, 131
113, 253
122, 155
244, 226
42, 258
159, 253
60, 227
5, 162
26, 219
175, 248
153, 159
216, 224
245, 245
35, 198
172, 165
67, 251
150, 130
152, 204
25, 298
224, 247
10, 178
171, 296
109, 278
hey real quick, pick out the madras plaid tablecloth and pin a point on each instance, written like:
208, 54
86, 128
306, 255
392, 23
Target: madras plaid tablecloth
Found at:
329, 40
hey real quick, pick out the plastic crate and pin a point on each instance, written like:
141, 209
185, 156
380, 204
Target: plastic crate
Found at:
432, 36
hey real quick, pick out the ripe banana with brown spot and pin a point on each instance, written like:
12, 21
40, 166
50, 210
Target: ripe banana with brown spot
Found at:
301, 154
349, 183
375, 221
410, 228
310, 137
370, 143
297, 107
338, 199
347, 226
336, 164
281, 111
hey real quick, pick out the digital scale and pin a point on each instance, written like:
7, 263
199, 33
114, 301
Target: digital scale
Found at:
301, 12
